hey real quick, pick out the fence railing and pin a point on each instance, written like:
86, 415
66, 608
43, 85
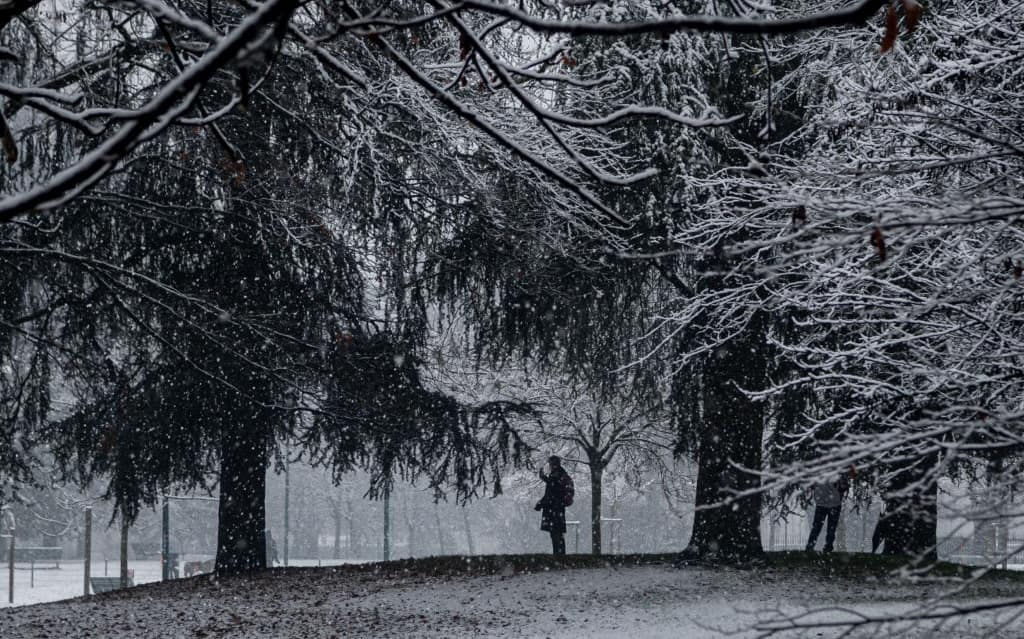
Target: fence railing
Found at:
33, 553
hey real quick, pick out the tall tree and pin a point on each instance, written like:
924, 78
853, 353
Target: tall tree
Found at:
902, 209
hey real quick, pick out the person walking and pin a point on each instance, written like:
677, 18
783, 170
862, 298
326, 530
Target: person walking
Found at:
828, 501
558, 494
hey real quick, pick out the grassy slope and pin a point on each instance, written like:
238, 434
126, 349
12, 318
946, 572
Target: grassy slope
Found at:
792, 563
835, 564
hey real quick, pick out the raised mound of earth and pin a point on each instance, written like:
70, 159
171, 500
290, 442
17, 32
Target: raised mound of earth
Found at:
530, 596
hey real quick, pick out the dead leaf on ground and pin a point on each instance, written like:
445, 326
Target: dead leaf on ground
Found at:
892, 28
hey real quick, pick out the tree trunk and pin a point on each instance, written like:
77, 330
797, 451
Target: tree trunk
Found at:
924, 538
865, 543
596, 481
336, 513
241, 540
351, 530
440, 532
124, 553
724, 530
727, 527
469, 531
386, 541
913, 506
410, 528
840, 543
614, 527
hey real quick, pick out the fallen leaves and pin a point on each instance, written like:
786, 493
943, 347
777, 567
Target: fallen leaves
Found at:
892, 28
878, 241
912, 12
799, 215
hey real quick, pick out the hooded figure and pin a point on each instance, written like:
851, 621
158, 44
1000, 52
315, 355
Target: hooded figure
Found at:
558, 494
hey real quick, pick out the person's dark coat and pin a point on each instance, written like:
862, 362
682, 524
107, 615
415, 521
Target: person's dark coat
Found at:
558, 493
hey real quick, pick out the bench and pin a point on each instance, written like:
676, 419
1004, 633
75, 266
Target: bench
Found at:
107, 584
199, 567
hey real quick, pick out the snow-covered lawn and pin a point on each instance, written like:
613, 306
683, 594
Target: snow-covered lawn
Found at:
654, 601
51, 583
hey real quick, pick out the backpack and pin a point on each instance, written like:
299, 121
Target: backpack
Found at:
568, 489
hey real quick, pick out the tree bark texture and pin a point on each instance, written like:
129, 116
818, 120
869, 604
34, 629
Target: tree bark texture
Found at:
241, 541
726, 526
351, 530
469, 532
124, 553
336, 515
411, 530
912, 504
440, 531
596, 481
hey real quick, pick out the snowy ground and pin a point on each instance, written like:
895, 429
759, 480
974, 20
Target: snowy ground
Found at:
653, 601
50, 583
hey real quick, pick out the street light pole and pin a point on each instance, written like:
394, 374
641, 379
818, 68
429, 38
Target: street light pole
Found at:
287, 488
10, 551
387, 525
10, 567
88, 550
124, 552
165, 541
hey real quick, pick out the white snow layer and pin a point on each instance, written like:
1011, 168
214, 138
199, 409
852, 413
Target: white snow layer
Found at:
655, 602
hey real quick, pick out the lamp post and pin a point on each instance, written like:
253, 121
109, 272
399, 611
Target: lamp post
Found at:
287, 489
10, 555
88, 550
387, 524
165, 541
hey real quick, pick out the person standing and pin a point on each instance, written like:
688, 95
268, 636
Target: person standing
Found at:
828, 502
558, 494
883, 531
893, 530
